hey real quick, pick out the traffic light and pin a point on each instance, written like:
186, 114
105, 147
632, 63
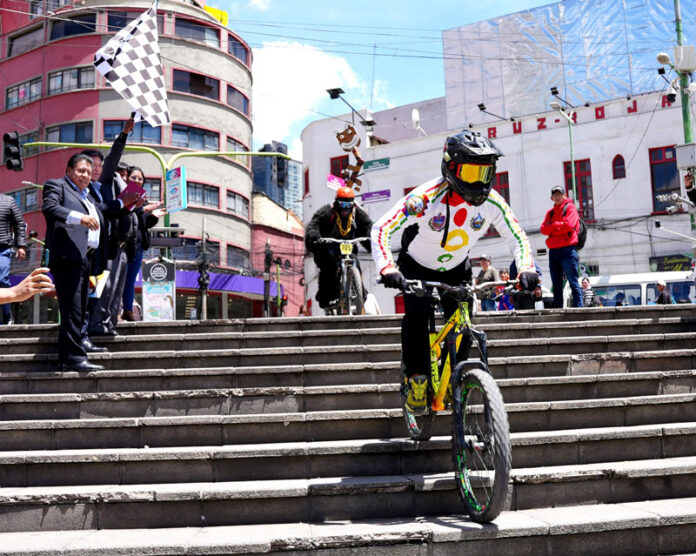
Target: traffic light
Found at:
13, 152
281, 165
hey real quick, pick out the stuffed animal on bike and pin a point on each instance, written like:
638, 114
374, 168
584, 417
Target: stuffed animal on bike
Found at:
439, 233
343, 219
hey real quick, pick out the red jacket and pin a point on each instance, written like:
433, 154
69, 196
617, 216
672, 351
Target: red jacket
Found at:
562, 229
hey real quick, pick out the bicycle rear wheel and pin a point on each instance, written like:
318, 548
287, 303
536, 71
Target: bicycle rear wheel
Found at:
354, 292
481, 445
420, 427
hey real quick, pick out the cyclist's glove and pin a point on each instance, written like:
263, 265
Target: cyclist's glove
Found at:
394, 280
313, 238
528, 280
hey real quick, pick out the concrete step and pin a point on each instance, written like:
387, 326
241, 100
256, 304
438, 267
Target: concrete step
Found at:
648, 527
303, 460
292, 399
107, 506
201, 430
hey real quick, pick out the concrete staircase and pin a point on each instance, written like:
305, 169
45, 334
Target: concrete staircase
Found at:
286, 435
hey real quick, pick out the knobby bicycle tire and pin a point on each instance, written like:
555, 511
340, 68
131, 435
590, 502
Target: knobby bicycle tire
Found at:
354, 292
419, 427
481, 446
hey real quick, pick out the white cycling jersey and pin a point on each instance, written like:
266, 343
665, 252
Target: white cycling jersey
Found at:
426, 206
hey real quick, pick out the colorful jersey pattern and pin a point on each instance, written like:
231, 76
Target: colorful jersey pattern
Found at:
427, 206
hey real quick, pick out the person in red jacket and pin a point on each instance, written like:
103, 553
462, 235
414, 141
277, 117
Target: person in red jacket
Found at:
561, 225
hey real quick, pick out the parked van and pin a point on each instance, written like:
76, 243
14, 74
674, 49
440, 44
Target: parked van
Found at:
638, 289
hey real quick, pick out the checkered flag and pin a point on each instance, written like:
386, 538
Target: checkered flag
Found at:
131, 63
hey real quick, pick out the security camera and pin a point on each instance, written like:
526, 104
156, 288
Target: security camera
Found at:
672, 209
672, 92
657, 223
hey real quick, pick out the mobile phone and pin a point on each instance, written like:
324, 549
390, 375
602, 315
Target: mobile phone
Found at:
44, 257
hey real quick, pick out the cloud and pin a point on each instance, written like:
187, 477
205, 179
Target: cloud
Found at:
262, 5
290, 82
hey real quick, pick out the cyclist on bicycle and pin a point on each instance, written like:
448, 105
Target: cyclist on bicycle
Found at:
441, 221
341, 220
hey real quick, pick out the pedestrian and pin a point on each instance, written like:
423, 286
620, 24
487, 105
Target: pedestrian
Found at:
504, 301
75, 237
588, 294
137, 241
488, 273
561, 225
664, 297
12, 235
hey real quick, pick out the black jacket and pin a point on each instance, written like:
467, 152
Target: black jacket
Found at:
13, 230
323, 224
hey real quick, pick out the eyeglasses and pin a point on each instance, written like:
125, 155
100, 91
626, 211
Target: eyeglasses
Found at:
471, 173
345, 205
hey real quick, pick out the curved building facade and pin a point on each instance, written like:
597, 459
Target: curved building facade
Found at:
51, 92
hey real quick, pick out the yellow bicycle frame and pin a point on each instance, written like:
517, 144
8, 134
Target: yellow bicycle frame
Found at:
458, 320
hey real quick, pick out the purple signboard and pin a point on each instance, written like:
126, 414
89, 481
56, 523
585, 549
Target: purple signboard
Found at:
376, 196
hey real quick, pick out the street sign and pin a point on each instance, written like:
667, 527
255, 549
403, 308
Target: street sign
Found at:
334, 182
376, 196
175, 182
378, 164
159, 291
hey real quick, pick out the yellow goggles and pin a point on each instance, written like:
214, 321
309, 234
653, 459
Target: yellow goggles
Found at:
471, 173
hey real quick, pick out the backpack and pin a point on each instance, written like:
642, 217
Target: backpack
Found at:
582, 230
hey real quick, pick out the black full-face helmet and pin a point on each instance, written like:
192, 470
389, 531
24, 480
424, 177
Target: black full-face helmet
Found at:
468, 165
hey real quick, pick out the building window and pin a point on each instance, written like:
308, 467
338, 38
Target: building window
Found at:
338, 164
70, 133
195, 138
153, 188
306, 181
29, 138
25, 42
196, 32
237, 257
237, 204
196, 84
618, 167
501, 184
70, 80
237, 100
191, 249
664, 175
583, 184
142, 132
235, 146
119, 19
79, 25
238, 49
26, 199
23, 93
203, 195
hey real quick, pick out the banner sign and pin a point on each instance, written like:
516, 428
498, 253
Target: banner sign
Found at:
376, 196
378, 164
334, 182
175, 183
159, 291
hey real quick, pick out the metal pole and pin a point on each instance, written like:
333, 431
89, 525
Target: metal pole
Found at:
683, 80
572, 159
278, 285
268, 259
204, 293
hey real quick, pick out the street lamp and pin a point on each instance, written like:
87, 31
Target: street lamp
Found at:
336, 93
568, 115
482, 107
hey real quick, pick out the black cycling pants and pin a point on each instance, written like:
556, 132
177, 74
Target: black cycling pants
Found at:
415, 341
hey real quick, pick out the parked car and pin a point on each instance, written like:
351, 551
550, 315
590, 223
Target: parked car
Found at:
638, 289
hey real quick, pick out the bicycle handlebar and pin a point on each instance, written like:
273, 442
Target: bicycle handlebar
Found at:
420, 287
333, 240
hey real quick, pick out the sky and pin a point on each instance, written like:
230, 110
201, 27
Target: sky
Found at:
382, 54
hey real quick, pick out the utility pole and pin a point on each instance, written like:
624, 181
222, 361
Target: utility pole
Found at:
203, 277
268, 260
683, 80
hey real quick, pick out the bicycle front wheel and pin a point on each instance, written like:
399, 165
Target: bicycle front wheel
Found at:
354, 292
481, 445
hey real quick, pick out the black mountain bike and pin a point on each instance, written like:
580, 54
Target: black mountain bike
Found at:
351, 300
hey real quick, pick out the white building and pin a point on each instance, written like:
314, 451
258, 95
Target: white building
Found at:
620, 211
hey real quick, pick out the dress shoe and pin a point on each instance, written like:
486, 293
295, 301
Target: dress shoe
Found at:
82, 366
110, 332
89, 347
128, 316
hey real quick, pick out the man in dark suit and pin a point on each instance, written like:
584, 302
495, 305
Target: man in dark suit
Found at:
74, 236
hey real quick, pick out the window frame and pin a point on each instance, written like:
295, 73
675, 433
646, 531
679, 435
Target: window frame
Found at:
234, 40
339, 163
11, 41
618, 165
193, 24
229, 247
244, 108
206, 133
82, 73
659, 207
135, 136
585, 200
501, 184
29, 98
244, 202
189, 91
61, 127
205, 188
77, 21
